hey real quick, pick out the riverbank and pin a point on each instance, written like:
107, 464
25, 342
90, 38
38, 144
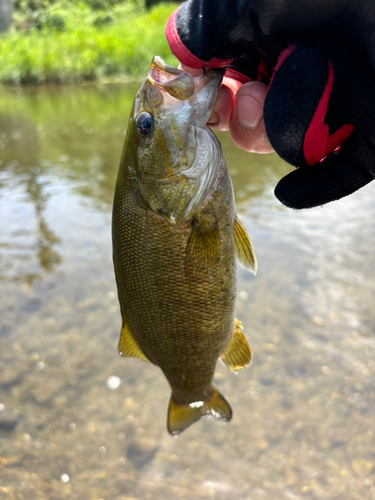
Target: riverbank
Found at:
76, 43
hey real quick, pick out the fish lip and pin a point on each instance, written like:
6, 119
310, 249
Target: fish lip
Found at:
181, 84
157, 62
213, 77
208, 75
207, 88
175, 82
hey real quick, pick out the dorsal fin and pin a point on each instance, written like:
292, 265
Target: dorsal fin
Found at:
244, 248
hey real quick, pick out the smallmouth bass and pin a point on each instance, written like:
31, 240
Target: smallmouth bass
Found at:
176, 239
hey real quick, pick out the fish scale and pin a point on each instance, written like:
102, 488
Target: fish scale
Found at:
162, 298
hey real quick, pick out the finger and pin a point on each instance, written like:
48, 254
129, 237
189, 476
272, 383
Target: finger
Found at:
247, 125
337, 176
222, 112
223, 108
232, 83
192, 71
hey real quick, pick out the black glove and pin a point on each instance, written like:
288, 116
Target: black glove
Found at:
319, 112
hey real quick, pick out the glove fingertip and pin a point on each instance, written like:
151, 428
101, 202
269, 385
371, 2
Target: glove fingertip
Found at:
176, 45
180, 50
337, 176
308, 187
291, 195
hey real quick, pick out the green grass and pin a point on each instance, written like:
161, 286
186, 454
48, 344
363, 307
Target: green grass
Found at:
74, 43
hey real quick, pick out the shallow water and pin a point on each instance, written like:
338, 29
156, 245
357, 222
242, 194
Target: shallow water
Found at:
304, 412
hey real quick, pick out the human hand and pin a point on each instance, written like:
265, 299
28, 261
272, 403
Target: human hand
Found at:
319, 112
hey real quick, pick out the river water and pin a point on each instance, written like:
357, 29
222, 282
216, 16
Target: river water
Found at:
79, 422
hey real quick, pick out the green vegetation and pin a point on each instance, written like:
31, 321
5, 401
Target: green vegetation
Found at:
67, 41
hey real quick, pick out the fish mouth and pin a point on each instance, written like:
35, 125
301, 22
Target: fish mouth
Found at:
180, 84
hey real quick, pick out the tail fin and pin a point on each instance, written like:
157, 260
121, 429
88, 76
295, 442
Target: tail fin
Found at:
180, 417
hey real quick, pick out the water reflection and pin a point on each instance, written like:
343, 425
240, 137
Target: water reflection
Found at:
303, 423
20, 171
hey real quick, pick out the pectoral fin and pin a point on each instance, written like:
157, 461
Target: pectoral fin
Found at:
244, 248
182, 416
128, 347
237, 355
203, 246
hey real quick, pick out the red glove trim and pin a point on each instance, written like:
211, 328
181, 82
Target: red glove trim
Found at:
236, 75
337, 138
283, 55
318, 143
263, 74
182, 53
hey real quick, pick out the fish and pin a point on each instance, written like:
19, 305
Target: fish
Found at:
176, 243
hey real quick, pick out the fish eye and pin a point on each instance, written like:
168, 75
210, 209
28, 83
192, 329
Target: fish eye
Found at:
144, 122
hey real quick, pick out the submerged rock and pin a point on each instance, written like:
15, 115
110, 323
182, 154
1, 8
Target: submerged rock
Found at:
141, 451
8, 419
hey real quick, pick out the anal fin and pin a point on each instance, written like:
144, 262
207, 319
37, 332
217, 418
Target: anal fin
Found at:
128, 347
237, 355
182, 416
244, 249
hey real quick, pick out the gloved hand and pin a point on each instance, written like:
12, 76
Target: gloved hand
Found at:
318, 57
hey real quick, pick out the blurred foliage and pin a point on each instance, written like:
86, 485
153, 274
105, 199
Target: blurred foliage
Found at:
56, 41
56, 14
152, 3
